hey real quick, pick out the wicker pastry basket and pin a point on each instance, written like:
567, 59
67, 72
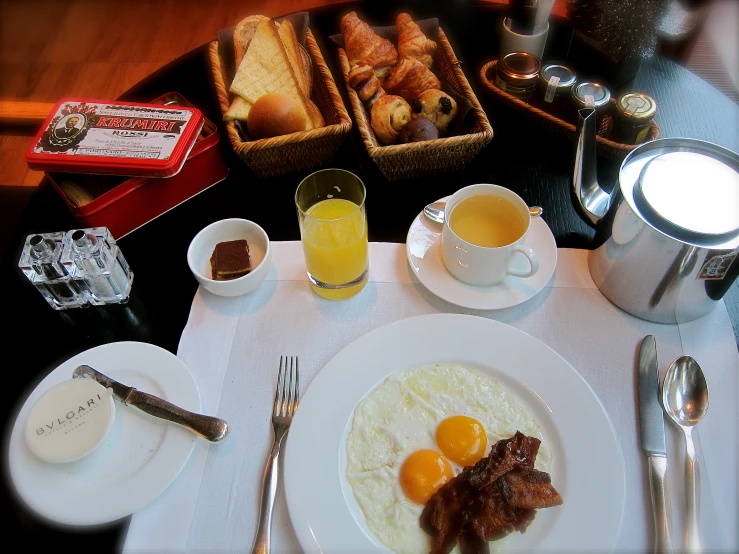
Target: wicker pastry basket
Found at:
606, 147
416, 159
298, 151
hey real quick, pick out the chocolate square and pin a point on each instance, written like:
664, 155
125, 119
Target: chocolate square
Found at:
230, 260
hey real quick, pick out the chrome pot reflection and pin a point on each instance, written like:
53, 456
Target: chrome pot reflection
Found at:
668, 236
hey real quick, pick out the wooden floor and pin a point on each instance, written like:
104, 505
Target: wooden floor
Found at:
100, 48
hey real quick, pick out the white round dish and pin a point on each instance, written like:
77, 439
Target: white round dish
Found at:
137, 461
423, 250
588, 465
202, 246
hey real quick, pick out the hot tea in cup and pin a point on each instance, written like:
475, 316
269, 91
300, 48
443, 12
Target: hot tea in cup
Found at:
488, 221
483, 232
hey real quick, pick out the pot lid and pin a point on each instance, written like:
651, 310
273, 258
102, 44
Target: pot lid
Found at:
690, 196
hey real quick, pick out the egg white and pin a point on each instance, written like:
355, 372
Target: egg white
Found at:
400, 416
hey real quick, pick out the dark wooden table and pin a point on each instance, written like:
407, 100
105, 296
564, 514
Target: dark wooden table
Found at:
533, 162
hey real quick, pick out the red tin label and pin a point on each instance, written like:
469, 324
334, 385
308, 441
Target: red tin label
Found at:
113, 130
115, 138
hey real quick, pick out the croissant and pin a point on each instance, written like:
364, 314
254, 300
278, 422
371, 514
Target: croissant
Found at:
362, 78
359, 74
365, 47
389, 115
412, 43
409, 79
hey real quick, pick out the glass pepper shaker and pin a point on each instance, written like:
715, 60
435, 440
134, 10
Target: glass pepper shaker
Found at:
93, 256
40, 263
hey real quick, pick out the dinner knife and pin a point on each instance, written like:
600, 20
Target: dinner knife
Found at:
210, 428
652, 431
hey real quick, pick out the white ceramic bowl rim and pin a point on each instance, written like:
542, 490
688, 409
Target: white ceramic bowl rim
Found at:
193, 267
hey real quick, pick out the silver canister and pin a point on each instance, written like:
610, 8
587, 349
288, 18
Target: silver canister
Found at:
669, 236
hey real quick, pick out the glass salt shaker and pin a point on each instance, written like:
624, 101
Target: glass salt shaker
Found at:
40, 263
93, 256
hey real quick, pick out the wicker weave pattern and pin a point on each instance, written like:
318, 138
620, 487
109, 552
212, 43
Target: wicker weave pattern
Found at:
416, 159
298, 151
608, 148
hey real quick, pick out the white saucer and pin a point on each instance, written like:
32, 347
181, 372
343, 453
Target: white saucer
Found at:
137, 461
423, 249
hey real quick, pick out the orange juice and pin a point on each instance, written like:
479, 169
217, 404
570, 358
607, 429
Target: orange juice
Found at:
334, 235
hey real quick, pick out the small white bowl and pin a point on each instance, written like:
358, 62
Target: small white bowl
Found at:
202, 246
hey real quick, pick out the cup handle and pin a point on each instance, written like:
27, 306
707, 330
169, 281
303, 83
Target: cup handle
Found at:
530, 256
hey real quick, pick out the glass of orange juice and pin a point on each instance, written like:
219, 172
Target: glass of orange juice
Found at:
333, 230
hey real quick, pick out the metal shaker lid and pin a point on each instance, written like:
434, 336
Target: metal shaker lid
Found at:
690, 195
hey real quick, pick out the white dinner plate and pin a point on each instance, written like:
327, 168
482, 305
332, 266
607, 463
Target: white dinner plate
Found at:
423, 249
136, 462
587, 468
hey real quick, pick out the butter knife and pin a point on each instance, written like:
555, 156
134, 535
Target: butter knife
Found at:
652, 431
210, 428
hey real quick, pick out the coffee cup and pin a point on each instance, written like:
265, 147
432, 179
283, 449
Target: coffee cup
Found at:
484, 230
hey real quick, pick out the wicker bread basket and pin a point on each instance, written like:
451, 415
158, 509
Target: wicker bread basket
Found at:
298, 151
416, 159
606, 147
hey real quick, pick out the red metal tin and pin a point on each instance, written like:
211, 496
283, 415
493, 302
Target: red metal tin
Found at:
115, 138
124, 204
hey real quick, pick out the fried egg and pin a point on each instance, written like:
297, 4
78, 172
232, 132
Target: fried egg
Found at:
414, 432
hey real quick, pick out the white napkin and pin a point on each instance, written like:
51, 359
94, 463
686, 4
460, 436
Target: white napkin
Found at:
232, 346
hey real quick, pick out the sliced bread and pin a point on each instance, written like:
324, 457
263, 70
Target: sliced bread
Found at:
265, 67
243, 33
292, 49
239, 109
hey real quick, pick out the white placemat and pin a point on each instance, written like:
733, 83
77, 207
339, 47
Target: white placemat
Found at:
232, 346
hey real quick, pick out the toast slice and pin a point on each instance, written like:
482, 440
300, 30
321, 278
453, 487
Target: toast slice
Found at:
243, 34
239, 109
265, 67
307, 67
292, 49
314, 114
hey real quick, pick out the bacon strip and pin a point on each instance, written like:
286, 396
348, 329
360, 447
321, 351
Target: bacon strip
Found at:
497, 496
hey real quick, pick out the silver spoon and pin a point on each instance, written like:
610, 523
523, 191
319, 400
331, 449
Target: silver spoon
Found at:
435, 211
685, 400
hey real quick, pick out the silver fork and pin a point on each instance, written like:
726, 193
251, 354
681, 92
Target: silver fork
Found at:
286, 402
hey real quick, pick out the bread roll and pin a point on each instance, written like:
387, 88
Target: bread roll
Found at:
277, 114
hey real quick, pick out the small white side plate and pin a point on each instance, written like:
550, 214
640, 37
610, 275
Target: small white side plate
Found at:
423, 249
140, 457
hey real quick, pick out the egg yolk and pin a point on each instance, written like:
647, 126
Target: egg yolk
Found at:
462, 439
422, 474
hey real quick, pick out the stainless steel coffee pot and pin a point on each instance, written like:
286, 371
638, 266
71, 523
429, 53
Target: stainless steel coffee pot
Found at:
668, 234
